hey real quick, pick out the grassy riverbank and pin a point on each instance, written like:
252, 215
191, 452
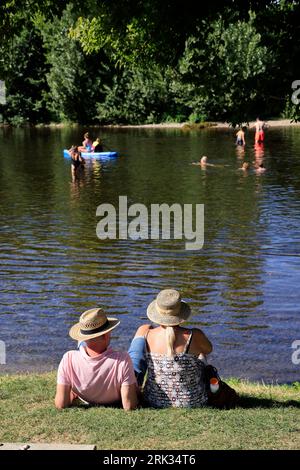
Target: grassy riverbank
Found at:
268, 418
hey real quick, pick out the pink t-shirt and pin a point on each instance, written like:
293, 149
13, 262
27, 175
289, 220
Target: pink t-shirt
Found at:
96, 379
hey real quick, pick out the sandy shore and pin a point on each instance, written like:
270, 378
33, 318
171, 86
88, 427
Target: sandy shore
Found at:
220, 125
271, 123
163, 125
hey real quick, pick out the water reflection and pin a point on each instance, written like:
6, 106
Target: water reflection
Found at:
240, 151
259, 151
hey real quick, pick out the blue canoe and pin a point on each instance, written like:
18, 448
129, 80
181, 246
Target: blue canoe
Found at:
96, 155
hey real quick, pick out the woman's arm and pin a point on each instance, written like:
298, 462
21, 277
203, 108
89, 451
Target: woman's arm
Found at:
202, 342
137, 352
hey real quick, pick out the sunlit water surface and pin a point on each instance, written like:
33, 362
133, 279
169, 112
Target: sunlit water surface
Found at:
243, 285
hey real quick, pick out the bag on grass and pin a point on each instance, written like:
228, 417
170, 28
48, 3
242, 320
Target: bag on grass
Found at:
226, 397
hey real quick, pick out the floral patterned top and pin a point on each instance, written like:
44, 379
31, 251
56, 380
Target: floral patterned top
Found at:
176, 381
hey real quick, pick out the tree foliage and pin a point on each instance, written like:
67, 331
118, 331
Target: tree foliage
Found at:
25, 71
75, 80
220, 70
141, 61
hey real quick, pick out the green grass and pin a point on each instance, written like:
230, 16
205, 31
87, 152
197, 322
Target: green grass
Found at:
268, 418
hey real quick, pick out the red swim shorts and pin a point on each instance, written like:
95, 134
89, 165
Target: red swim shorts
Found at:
259, 136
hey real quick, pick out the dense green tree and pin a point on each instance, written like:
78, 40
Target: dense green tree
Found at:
279, 26
146, 60
24, 72
75, 80
145, 30
219, 72
138, 95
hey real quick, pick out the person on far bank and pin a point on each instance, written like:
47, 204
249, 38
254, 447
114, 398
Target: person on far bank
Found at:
173, 355
96, 374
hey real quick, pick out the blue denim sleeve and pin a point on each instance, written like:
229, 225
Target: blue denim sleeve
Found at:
136, 351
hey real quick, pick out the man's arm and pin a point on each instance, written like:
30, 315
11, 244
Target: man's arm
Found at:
129, 397
63, 396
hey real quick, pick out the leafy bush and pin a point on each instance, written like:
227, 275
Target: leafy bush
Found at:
75, 80
136, 96
291, 110
24, 70
220, 69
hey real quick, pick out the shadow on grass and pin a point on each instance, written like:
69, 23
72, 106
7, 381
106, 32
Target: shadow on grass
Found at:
245, 401
248, 401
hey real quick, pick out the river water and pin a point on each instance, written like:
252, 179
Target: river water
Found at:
243, 285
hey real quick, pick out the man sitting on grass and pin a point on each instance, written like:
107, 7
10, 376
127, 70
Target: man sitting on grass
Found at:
95, 373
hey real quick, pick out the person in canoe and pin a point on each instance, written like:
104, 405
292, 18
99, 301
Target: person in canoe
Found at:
97, 145
87, 144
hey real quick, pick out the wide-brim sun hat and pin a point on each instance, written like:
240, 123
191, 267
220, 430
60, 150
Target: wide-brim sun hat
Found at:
93, 323
168, 309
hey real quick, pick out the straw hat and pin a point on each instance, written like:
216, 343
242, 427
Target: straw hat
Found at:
93, 323
168, 309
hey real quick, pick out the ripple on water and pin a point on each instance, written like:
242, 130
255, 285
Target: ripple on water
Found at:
243, 286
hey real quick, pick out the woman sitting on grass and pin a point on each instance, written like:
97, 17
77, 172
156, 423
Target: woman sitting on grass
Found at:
175, 375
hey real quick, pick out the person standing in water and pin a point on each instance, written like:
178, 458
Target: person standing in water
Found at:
259, 130
240, 137
77, 161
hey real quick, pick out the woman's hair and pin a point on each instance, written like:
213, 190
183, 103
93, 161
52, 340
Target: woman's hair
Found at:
170, 337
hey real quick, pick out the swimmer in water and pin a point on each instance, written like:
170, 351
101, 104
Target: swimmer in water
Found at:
203, 162
245, 167
260, 169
